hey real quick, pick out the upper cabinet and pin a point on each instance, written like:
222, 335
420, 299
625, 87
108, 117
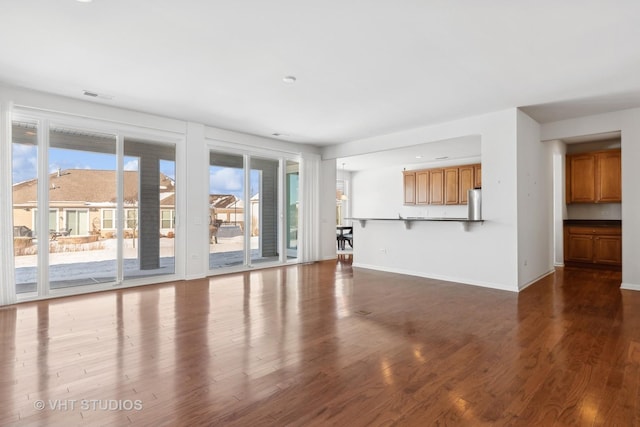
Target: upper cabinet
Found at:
477, 178
466, 182
436, 187
594, 177
451, 184
422, 187
447, 186
609, 176
409, 187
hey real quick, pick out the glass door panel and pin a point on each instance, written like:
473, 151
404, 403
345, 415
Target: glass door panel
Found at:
24, 174
82, 180
292, 204
149, 191
264, 210
226, 210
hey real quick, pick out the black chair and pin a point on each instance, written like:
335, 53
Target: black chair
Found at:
347, 238
343, 237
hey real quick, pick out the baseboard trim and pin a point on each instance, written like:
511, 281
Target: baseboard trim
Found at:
542, 276
457, 280
630, 286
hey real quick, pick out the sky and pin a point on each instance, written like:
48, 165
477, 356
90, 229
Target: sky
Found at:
222, 180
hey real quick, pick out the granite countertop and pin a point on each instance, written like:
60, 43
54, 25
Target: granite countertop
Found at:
594, 222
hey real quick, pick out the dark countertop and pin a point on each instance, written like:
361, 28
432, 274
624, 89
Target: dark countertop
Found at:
594, 222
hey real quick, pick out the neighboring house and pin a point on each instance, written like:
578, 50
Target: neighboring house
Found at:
226, 208
84, 202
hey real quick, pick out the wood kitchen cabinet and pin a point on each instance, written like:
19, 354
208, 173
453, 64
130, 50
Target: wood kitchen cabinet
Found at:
593, 245
594, 177
422, 187
409, 178
436, 186
477, 177
441, 186
451, 190
466, 182
609, 177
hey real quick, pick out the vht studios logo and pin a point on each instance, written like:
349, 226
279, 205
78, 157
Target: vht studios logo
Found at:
88, 405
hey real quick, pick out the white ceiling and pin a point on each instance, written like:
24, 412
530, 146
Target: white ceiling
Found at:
363, 67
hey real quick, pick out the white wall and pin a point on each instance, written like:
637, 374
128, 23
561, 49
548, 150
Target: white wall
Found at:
195, 207
558, 150
535, 203
7, 283
628, 122
486, 254
328, 245
594, 211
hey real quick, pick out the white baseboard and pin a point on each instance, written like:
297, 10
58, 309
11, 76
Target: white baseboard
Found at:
526, 285
630, 286
460, 280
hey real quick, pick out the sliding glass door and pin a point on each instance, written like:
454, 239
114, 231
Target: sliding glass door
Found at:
253, 209
89, 207
226, 210
264, 210
149, 208
293, 206
24, 174
82, 176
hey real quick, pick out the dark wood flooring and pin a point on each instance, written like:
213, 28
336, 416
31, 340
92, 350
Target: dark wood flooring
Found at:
325, 344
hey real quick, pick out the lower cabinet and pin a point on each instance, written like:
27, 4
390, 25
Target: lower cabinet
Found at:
593, 245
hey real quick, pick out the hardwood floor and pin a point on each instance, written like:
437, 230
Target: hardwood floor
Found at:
324, 344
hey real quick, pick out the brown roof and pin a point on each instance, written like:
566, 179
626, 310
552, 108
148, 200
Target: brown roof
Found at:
222, 200
85, 185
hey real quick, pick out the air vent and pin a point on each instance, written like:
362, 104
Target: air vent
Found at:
96, 95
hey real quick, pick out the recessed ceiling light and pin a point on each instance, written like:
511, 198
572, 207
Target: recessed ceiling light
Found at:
289, 80
84, 1
418, 157
279, 134
89, 93
442, 158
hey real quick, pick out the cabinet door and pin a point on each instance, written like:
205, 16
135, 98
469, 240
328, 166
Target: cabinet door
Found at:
477, 177
608, 250
579, 248
465, 181
409, 188
436, 187
609, 177
451, 186
422, 187
582, 178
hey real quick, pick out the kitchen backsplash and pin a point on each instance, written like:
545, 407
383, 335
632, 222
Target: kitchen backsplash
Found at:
594, 211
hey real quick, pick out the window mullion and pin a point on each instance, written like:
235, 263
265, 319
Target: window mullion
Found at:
42, 219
